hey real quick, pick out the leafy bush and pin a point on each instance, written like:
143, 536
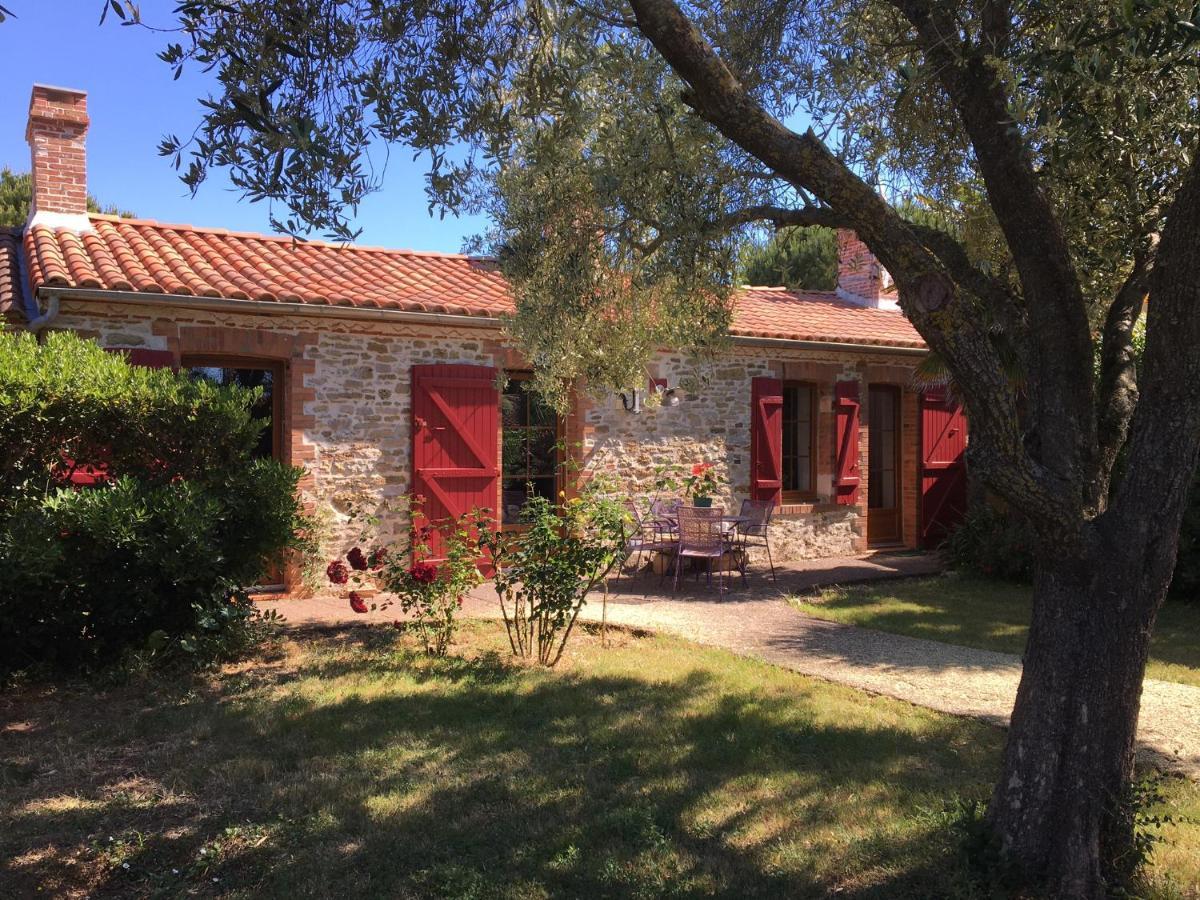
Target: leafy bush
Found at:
545, 570
151, 559
993, 542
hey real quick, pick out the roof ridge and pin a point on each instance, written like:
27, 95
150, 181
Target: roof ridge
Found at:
280, 238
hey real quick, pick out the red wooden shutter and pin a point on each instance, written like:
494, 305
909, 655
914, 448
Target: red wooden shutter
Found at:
766, 439
845, 472
454, 433
150, 359
943, 466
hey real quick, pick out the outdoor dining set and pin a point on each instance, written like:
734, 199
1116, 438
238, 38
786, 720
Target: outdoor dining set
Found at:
702, 536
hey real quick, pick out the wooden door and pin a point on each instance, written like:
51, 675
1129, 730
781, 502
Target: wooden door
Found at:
943, 466
883, 460
455, 431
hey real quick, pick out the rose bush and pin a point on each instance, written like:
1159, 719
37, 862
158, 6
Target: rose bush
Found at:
429, 592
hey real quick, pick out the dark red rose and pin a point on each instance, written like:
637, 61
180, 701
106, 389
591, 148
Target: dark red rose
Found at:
377, 558
337, 572
357, 559
423, 572
356, 602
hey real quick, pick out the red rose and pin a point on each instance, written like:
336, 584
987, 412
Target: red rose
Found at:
337, 572
423, 572
357, 559
356, 602
377, 558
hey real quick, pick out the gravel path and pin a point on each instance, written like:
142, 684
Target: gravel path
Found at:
760, 623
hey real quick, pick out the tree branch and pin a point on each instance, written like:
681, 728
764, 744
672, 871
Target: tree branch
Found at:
999, 298
1164, 435
931, 298
778, 216
1059, 332
1118, 391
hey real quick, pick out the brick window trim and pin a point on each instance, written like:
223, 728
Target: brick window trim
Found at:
248, 345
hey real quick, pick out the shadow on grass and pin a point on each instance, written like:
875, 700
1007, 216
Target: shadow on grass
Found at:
377, 773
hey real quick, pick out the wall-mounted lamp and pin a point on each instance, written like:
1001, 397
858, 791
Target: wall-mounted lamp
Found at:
667, 396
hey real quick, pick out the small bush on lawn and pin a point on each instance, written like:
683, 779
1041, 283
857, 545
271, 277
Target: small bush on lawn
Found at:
545, 571
150, 559
992, 542
430, 591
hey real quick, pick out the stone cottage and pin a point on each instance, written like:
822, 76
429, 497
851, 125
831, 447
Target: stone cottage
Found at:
379, 370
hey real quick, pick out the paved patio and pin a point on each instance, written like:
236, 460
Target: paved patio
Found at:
758, 622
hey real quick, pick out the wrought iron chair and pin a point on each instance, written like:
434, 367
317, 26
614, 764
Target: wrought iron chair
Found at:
701, 537
644, 536
756, 530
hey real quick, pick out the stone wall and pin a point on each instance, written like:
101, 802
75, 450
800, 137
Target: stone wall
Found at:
347, 397
712, 424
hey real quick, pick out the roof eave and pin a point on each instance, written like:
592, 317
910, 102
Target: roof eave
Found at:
847, 346
283, 308
270, 307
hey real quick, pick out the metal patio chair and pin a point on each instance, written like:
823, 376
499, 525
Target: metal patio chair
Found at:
756, 530
701, 537
645, 536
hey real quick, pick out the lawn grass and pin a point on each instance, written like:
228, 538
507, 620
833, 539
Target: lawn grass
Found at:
972, 611
346, 765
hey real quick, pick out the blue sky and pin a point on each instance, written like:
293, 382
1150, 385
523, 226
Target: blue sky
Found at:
133, 102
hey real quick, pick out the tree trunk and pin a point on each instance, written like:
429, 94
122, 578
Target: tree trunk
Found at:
1057, 809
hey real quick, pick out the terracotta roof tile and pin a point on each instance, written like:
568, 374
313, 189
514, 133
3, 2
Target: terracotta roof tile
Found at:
818, 316
145, 256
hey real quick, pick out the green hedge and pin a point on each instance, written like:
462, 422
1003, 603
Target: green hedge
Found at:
150, 560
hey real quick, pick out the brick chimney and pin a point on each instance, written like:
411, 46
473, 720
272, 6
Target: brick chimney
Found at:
861, 278
57, 129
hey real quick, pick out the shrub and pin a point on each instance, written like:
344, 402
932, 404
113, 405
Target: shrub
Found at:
429, 591
992, 542
151, 559
545, 570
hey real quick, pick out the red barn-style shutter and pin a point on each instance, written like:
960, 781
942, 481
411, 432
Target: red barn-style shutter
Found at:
845, 471
943, 466
766, 439
454, 433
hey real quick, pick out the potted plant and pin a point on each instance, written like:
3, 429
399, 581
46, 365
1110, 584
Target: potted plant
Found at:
702, 483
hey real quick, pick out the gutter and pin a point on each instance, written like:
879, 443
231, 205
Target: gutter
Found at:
268, 307
281, 308
40, 321
789, 344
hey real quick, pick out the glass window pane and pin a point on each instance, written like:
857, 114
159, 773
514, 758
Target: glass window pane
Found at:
515, 454
263, 408
512, 405
542, 457
512, 498
539, 412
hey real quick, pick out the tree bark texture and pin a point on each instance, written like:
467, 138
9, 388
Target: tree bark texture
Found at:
1069, 755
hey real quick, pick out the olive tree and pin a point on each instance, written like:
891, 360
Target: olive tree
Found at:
623, 149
